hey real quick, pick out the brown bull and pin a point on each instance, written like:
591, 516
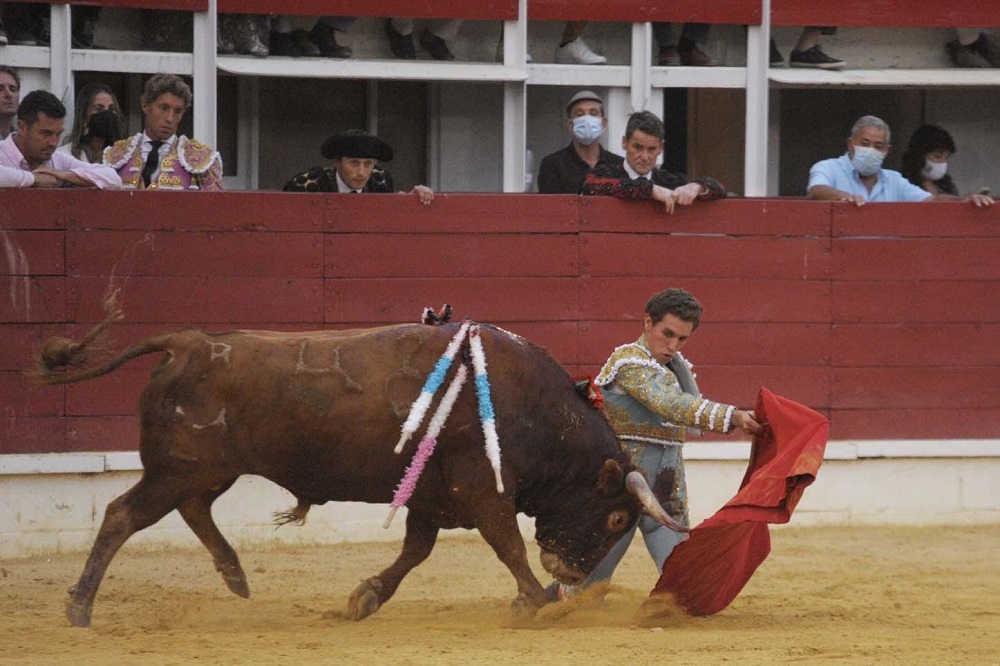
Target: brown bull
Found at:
319, 414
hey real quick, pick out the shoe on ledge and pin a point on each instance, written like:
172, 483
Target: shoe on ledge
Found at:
435, 46
402, 45
325, 38
814, 58
577, 52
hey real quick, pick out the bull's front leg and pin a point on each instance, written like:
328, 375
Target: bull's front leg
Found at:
501, 532
372, 593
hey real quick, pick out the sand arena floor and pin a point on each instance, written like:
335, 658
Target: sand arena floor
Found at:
863, 595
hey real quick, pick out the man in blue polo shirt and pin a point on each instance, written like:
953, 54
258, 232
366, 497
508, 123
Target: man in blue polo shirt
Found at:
857, 176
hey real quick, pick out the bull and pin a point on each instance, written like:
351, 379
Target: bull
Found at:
318, 413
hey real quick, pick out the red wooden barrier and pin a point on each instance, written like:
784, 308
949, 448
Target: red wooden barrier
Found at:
890, 13
181, 5
745, 12
878, 317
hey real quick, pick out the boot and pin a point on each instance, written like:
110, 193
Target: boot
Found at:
324, 36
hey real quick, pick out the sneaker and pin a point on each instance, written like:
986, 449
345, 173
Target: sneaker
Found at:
776, 59
3, 35
326, 39
669, 57
577, 52
435, 46
402, 45
988, 47
814, 58
965, 56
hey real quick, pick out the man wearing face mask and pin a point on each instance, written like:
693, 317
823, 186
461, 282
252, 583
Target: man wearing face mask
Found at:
564, 171
858, 177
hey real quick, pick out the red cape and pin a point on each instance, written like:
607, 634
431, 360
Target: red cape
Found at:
708, 570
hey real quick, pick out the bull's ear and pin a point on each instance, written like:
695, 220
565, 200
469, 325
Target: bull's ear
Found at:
611, 478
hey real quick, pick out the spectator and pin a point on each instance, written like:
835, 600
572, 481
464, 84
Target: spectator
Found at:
564, 171
433, 39
358, 166
573, 50
925, 161
10, 97
858, 177
320, 41
28, 157
651, 399
974, 47
638, 178
157, 158
84, 24
807, 51
97, 123
685, 51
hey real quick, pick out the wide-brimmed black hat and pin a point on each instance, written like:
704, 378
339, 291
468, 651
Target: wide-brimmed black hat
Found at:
355, 143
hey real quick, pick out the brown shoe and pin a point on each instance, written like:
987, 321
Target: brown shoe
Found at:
669, 57
691, 55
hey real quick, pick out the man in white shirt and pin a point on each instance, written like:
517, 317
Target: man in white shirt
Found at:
28, 157
10, 97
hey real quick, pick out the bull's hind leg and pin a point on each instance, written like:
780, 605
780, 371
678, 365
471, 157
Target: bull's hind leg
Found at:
197, 513
141, 506
372, 593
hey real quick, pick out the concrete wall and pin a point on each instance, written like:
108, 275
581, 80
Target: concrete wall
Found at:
55, 502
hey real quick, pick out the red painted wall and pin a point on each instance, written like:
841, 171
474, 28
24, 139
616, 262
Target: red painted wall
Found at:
885, 318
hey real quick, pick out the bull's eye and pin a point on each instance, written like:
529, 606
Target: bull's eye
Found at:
617, 521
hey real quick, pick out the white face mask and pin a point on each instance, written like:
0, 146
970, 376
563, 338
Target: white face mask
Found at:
935, 170
587, 129
867, 160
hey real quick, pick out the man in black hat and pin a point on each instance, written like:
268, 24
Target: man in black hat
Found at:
358, 166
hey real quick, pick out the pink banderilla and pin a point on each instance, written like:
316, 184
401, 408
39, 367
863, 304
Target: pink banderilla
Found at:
426, 447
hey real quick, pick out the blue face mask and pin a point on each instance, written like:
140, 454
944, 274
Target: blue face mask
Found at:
587, 129
867, 160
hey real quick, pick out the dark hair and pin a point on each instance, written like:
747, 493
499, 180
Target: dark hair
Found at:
39, 101
646, 122
927, 139
160, 84
83, 101
4, 69
677, 302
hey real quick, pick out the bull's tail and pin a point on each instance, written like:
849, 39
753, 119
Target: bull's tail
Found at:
57, 354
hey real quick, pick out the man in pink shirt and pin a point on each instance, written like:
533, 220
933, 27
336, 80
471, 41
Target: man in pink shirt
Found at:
28, 157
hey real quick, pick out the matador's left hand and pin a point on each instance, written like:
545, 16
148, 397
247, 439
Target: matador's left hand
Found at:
746, 422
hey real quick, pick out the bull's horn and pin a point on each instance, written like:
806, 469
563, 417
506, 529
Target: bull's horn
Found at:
636, 484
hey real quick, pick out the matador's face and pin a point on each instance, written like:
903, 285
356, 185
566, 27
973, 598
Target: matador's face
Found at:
666, 337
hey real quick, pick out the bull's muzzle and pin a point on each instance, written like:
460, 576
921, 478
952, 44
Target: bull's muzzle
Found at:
636, 484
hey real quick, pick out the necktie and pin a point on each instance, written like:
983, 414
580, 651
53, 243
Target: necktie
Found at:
152, 161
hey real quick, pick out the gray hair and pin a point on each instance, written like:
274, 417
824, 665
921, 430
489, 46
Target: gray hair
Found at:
871, 121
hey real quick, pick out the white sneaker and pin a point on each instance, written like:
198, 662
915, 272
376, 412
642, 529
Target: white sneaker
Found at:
577, 52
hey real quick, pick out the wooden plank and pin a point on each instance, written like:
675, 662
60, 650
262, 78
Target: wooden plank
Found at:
24, 398
747, 12
43, 434
258, 254
35, 253
915, 388
482, 299
738, 217
926, 423
559, 338
203, 211
916, 302
32, 299
916, 259
103, 433
738, 384
887, 13
779, 301
32, 208
442, 255
923, 220
717, 343
923, 345
177, 301
705, 256
451, 213
483, 10
181, 5
19, 341
115, 394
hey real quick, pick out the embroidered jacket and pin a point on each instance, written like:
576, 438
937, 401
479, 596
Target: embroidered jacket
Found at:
644, 401
189, 165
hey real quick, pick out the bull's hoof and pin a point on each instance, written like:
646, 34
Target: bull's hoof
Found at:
364, 599
78, 614
237, 585
523, 606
